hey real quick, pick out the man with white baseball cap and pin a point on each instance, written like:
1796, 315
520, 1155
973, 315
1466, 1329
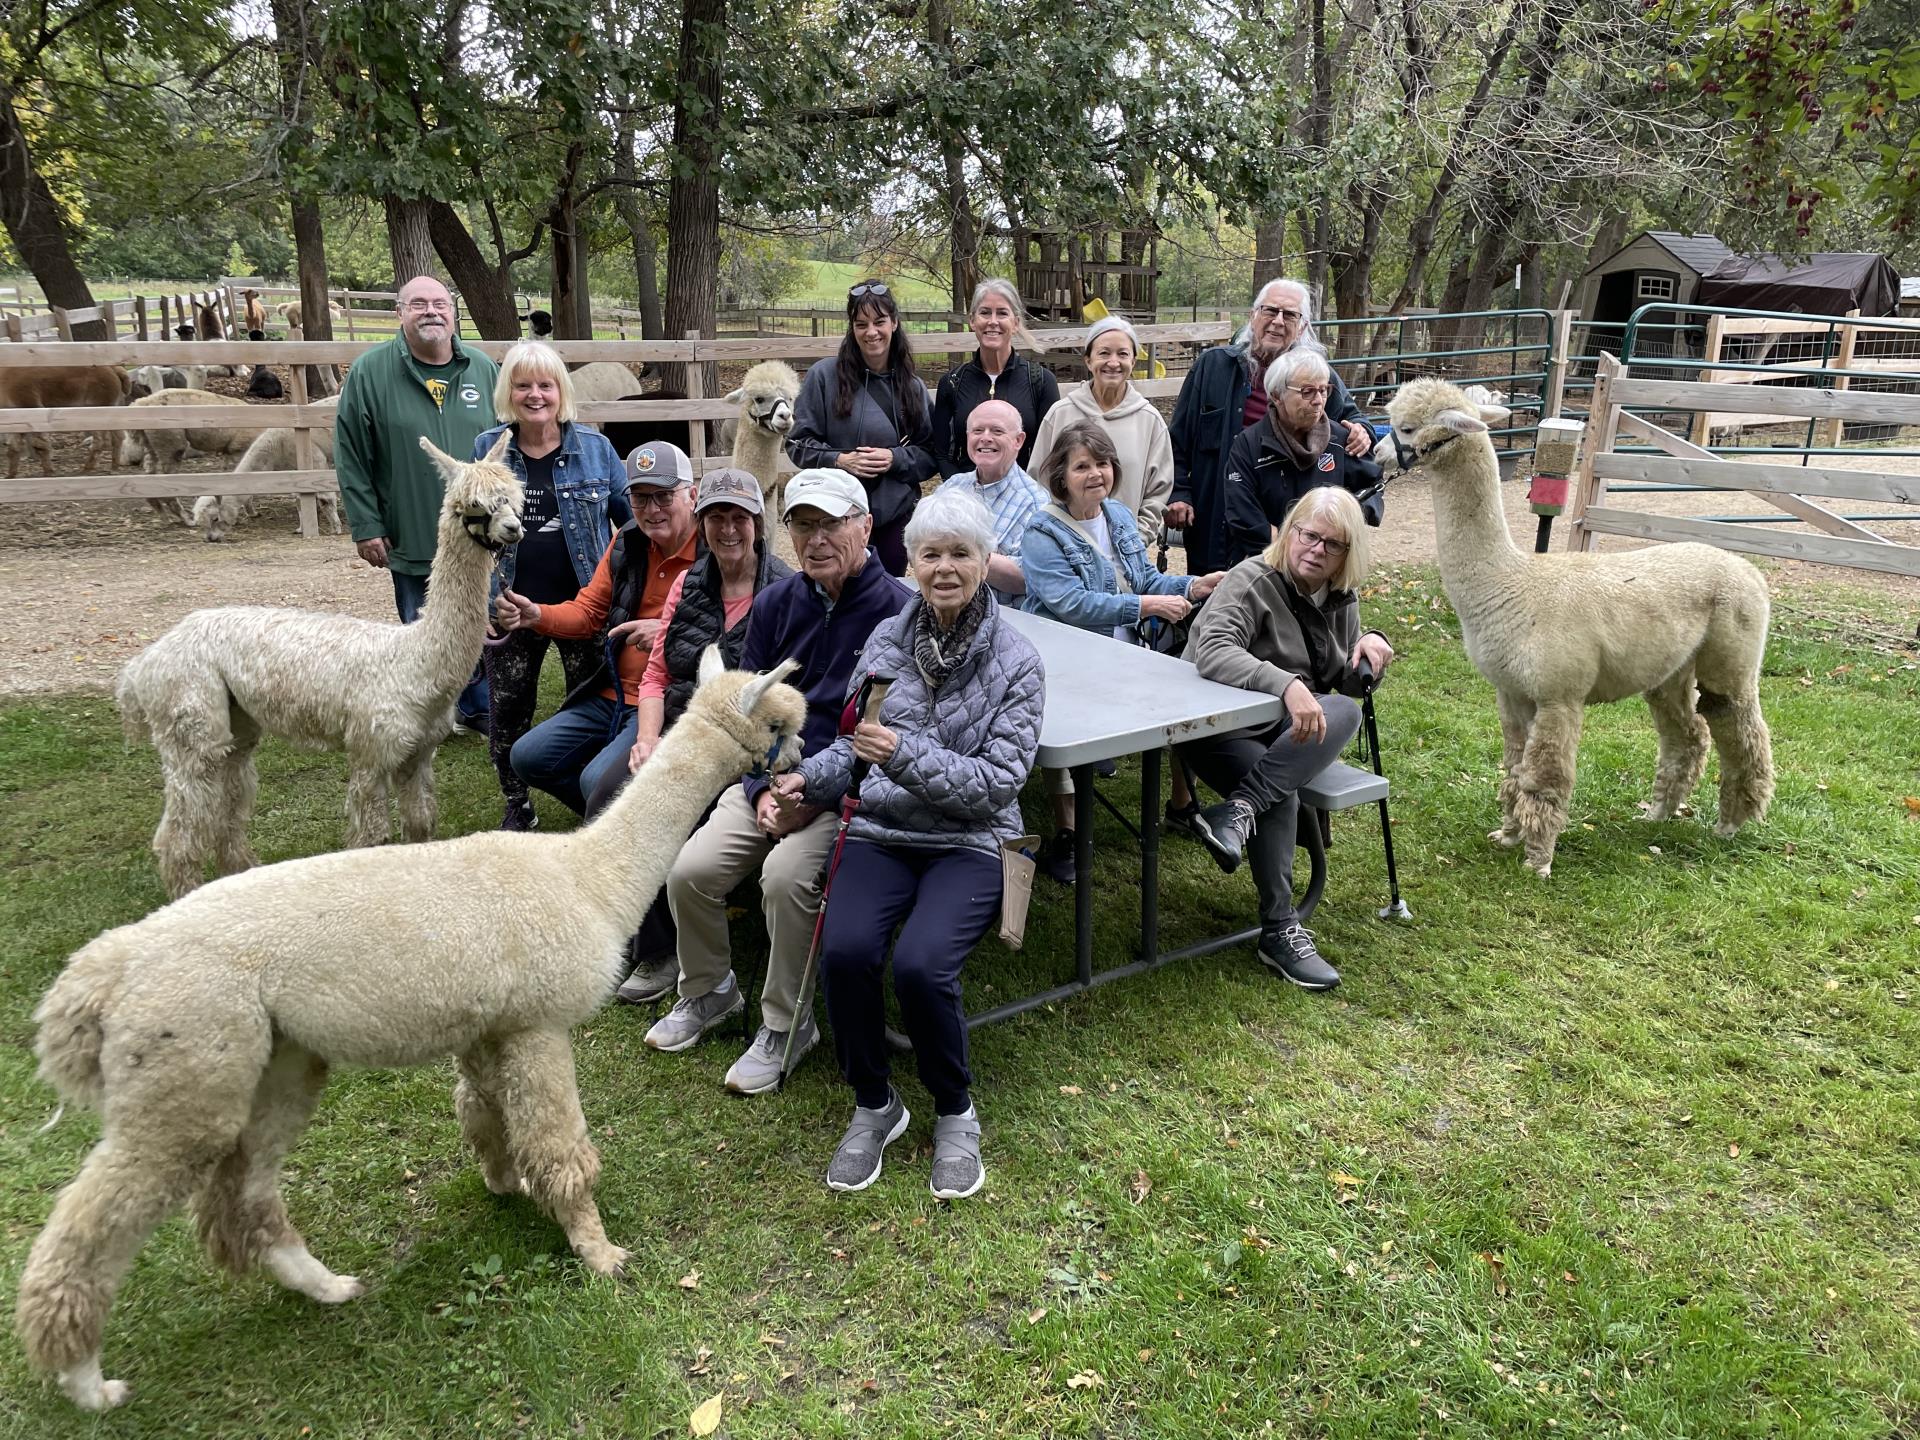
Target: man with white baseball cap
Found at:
567, 754
821, 619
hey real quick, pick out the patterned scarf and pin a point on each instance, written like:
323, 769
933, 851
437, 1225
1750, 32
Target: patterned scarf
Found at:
939, 652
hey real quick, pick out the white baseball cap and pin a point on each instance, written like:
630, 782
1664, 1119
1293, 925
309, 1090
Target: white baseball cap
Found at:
834, 492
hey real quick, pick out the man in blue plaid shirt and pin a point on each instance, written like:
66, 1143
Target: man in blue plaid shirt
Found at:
994, 438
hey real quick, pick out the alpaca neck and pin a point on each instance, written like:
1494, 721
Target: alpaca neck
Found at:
447, 637
754, 447
623, 855
1470, 528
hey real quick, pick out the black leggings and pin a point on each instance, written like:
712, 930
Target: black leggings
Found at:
513, 675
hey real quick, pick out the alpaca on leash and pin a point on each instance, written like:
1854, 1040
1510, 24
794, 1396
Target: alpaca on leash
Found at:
204, 1033
1683, 625
208, 689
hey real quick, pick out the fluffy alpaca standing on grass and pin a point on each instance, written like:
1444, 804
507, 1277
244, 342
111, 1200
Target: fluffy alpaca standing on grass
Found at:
1684, 625
756, 440
208, 689
204, 1032
216, 515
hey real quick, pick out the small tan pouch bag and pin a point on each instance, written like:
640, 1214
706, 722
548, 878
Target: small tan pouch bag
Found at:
1016, 888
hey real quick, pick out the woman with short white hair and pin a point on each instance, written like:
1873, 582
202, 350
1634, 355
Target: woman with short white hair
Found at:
1286, 622
993, 372
1112, 401
1291, 451
576, 499
953, 743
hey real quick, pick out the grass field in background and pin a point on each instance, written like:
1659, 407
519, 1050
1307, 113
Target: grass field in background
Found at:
1630, 1152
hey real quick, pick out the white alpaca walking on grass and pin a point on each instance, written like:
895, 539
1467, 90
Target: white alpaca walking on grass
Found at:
208, 689
204, 1032
1684, 625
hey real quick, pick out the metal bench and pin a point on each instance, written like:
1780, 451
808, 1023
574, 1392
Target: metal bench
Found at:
1341, 787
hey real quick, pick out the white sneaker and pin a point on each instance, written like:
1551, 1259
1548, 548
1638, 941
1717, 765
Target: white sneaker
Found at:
758, 1071
681, 1027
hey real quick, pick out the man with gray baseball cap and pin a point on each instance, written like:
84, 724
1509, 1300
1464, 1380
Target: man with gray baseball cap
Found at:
821, 619
568, 754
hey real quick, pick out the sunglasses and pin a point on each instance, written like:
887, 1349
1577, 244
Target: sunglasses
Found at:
652, 499
867, 287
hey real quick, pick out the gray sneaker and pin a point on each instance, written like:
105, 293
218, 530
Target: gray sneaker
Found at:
957, 1171
681, 1027
651, 980
758, 1071
856, 1164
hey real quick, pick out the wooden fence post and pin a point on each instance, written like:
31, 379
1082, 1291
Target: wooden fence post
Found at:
1560, 358
140, 317
303, 459
61, 323
1603, 422
696, 388
1832, 430
1701, 426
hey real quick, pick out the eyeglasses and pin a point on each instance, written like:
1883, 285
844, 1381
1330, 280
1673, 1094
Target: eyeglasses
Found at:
439, 305
652, 499
1311, 392
1310, 538
867, 287
1267, 312
807, 529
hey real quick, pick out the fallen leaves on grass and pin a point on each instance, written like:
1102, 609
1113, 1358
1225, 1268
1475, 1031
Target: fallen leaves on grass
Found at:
1733, 1152
1071, 1090
1034, 1317
1497, 1267
1085, 1380
1912, 802
1140, 1187
706, 1417
689, 1281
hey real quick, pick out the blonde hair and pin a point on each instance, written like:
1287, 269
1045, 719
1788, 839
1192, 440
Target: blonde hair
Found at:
1336, 507
543, 362
994, 285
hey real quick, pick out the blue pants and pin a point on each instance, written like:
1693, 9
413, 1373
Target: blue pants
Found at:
410, 598
948, 898
567, 755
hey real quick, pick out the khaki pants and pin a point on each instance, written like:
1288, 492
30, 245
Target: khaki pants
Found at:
717, 857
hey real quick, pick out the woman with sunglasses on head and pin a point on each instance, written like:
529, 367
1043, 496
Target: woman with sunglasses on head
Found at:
1286, 622
866, 412
1291, 451
994, 372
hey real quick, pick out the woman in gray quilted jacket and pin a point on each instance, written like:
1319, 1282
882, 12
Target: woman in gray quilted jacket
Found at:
953, 744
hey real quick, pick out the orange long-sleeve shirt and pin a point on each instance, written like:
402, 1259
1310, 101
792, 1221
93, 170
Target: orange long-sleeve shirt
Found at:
582, 617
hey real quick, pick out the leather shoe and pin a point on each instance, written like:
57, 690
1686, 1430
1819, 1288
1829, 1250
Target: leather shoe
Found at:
1223, 829
1289, 951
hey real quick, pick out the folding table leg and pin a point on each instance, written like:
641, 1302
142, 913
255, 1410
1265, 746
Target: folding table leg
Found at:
1083, 872
1150, 855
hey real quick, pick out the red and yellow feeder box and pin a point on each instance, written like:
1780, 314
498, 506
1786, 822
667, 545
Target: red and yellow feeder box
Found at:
1554, 451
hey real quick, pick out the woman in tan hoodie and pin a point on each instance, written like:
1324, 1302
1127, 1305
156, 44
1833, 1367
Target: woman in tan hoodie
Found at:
1113, 402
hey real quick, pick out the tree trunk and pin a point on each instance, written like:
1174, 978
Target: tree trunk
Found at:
1320, 137
310, 250
34, 224
1269, 252
693, 202
963, 226
646, 252
409, 237
486, 289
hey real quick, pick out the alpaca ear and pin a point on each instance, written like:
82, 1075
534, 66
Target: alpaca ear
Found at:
733, 397
755, 690
712, 664
500, 445
1459, 422
448, 467
1495, 414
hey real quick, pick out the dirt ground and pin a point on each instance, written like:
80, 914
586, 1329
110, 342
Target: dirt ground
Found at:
85, 586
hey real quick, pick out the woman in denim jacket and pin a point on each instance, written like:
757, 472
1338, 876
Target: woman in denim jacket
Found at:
576, 498
1086, 566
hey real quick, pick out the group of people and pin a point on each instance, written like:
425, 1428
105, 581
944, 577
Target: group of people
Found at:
632, 567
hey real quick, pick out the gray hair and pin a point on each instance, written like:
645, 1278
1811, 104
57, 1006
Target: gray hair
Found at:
1289, 365
994, 285
951, 515
1307, 340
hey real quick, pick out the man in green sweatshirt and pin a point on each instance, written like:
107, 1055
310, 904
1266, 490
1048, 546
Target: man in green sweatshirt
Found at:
424, 382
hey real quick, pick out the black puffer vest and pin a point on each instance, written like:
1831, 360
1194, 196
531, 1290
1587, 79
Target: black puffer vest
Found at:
627, 569
700, 620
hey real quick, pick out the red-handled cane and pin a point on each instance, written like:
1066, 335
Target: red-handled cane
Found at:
866, 704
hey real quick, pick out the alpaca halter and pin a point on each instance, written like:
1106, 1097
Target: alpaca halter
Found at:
479, 530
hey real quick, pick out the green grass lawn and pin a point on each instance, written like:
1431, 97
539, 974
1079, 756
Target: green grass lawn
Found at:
831, 282
1631, 1152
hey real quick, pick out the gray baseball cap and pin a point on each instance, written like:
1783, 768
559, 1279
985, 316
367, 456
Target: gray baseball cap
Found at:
728, 486
659, 464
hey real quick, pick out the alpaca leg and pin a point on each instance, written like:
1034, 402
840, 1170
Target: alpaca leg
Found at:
191, 823
240, 784
547, 1139
413, 790
1683, 745
367, 819
476, 1102
1746, 757
241, 1214
1516, 718
1546, 782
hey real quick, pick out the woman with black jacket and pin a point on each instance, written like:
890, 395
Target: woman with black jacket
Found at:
997, 320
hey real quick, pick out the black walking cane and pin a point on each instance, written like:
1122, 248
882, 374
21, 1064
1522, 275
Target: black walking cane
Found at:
866, 704
1366, 681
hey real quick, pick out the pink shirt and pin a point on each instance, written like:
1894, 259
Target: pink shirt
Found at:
653, 684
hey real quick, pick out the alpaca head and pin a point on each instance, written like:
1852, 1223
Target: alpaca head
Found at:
485, 496
766, 397
1428, 413
755, 711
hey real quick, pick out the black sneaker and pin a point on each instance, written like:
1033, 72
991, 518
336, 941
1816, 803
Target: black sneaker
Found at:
520, 816
1106, 769
1056, 857
1223, 829
1183, 819
1290, 951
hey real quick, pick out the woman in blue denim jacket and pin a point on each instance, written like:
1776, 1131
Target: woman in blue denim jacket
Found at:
576, 498
1086, 566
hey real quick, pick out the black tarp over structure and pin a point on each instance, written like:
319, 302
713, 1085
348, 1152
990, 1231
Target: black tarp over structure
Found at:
1820, 285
